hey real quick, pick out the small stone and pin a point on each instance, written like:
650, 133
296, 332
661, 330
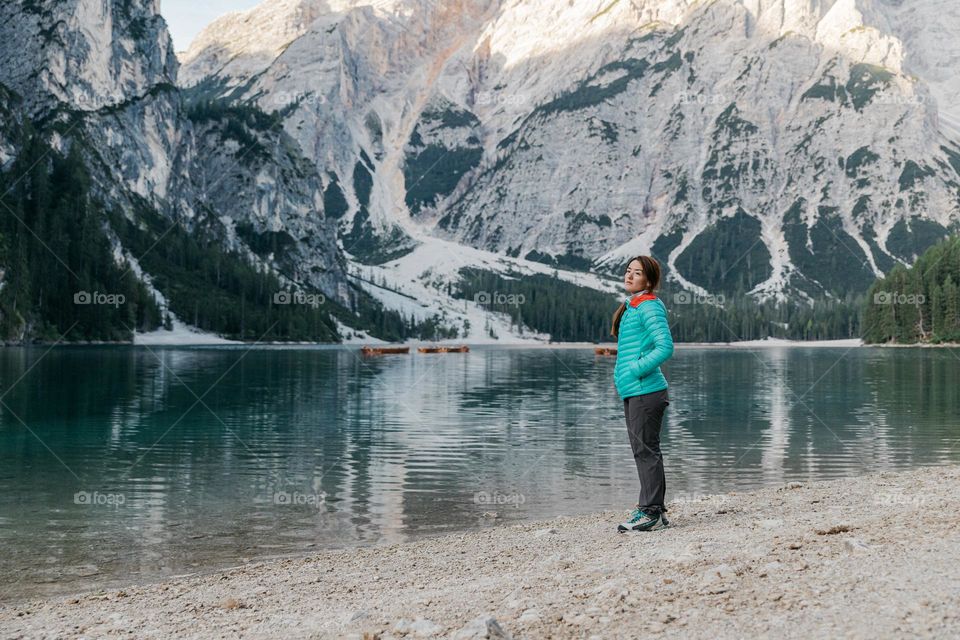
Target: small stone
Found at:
840, 528
545, 532
530, 616
358, 615
794, 485
769, 523
855, 545
423, 628
719, 572
576, 619
230, 603
480, 628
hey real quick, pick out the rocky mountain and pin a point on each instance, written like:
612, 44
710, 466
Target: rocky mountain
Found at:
402, 157
782, 149
98, 78
196, 208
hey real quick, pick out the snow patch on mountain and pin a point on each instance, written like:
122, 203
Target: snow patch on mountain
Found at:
783, 148
419, 284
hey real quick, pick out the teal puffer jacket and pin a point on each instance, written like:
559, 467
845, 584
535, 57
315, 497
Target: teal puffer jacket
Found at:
643, 344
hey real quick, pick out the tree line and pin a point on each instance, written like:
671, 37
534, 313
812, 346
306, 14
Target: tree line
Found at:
573, 313
60, 276
918, 304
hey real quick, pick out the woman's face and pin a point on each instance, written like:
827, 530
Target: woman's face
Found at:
634, 280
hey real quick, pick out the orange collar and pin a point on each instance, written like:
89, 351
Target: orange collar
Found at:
641, 297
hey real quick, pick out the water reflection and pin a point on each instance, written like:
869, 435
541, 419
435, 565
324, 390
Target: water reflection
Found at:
772, 386
226, 454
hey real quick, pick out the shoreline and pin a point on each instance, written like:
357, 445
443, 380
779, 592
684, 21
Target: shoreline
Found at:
822, 558
839, 343
506, 344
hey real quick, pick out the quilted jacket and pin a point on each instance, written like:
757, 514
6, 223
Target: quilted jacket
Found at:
643, 344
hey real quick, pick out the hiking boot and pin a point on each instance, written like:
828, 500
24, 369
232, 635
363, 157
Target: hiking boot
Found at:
640, 520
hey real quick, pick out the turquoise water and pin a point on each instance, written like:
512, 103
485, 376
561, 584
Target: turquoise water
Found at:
126, 464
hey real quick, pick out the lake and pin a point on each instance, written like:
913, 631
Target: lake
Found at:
128, 464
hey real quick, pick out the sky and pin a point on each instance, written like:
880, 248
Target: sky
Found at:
187, 18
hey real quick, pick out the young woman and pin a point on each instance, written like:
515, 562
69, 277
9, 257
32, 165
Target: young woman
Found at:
643, 344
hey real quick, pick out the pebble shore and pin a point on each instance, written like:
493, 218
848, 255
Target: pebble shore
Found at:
868, 557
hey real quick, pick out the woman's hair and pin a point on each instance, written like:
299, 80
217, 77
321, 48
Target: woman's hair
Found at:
651, 271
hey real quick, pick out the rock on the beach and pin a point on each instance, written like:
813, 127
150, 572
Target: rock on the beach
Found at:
358, 615
719, 572
530, 616
420, 628
855, 545
482, 627
576, 618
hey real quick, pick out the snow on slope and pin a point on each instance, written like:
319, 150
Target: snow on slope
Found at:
608, 128
416, 286
180, 334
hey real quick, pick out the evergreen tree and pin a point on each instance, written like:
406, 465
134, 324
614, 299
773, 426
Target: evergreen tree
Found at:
919, 304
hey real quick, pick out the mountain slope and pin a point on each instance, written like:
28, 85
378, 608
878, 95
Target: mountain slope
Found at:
771, 147
168, 173
395, 155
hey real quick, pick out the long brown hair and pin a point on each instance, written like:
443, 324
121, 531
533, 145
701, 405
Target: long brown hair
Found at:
651, 271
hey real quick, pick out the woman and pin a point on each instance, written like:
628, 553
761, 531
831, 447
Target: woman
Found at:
643, 344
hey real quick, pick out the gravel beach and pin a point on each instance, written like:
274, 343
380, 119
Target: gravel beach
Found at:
876, 556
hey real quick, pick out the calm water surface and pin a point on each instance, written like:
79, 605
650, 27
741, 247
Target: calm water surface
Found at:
126, 464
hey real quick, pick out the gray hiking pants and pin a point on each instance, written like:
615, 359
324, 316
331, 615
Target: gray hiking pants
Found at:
644, 415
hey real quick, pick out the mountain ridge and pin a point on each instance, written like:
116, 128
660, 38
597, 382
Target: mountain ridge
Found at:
379, 152
831, 74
